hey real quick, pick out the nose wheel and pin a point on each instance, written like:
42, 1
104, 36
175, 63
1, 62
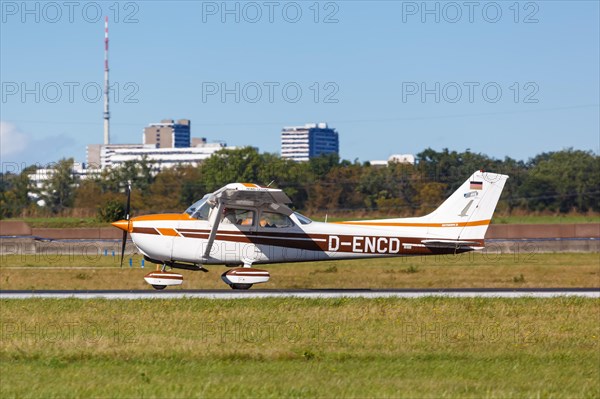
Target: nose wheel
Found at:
160, 279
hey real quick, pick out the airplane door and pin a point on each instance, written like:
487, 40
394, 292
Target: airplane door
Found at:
279, 226
237, 228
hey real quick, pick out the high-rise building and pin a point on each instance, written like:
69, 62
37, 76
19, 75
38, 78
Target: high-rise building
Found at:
300, 143
169, 134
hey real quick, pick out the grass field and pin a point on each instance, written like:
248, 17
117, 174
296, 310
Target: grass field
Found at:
71, 222
547, 219
429, 347
527, 269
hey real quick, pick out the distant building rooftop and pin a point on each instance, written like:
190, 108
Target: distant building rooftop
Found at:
398, 158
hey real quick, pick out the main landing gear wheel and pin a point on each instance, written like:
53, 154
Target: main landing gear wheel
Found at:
240, 286
242, 278
160, 279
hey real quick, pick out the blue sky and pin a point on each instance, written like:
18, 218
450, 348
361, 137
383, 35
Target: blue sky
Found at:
501, 79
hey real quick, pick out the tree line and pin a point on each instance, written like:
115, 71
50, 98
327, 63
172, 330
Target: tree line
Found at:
554, 182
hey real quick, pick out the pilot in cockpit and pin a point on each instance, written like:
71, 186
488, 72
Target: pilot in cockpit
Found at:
229, 216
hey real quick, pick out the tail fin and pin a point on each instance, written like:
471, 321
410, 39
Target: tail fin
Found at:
469, 209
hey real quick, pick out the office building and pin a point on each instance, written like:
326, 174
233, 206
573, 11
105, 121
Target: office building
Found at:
99, 155
169, 134
301, 143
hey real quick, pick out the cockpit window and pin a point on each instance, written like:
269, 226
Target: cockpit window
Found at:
275, 220
200, 209
302, 219
239, 217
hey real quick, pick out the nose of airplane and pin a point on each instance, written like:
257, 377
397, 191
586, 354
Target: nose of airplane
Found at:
124, 225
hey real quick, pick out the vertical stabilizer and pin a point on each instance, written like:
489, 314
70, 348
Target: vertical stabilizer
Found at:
467, 213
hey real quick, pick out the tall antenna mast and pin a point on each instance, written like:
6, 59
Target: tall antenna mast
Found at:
106, 113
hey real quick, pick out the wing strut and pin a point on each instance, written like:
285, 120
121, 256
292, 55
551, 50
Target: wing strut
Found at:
213, 231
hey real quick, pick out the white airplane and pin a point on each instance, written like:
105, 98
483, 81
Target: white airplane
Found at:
246, 224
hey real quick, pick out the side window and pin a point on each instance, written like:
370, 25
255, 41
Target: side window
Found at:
275, 220
239, 217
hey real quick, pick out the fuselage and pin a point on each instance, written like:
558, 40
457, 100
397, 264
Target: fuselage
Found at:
183, 238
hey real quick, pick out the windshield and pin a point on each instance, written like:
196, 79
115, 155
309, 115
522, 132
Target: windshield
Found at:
302, 219
199, 209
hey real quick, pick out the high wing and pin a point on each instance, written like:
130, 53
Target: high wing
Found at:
250, 194
244, 194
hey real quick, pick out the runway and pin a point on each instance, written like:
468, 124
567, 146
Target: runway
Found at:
316, 293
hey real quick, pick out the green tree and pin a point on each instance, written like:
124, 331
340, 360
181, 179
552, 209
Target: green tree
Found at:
320, 166
192, 185
111, 211
165, 192
229, 166
58, 192
14, 193
565, 181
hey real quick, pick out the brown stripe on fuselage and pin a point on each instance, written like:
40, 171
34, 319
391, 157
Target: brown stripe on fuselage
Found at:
270, 233
307, 244
144, 230
194, 235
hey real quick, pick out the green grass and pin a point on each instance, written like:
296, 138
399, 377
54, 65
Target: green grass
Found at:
428, 347
519, 270
546, 219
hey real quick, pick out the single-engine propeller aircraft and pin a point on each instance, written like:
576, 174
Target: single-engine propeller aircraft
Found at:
245, 224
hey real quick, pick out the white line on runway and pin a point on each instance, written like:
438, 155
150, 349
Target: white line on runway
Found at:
61, 267
245, 295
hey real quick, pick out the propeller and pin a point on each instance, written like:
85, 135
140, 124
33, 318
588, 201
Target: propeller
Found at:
127, 218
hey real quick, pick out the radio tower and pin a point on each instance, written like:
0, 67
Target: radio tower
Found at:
106, 113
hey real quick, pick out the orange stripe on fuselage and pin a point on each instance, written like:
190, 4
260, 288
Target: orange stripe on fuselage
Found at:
167, 232
399, 224
162, 217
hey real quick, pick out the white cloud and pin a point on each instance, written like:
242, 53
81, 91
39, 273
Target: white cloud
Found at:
12, 140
